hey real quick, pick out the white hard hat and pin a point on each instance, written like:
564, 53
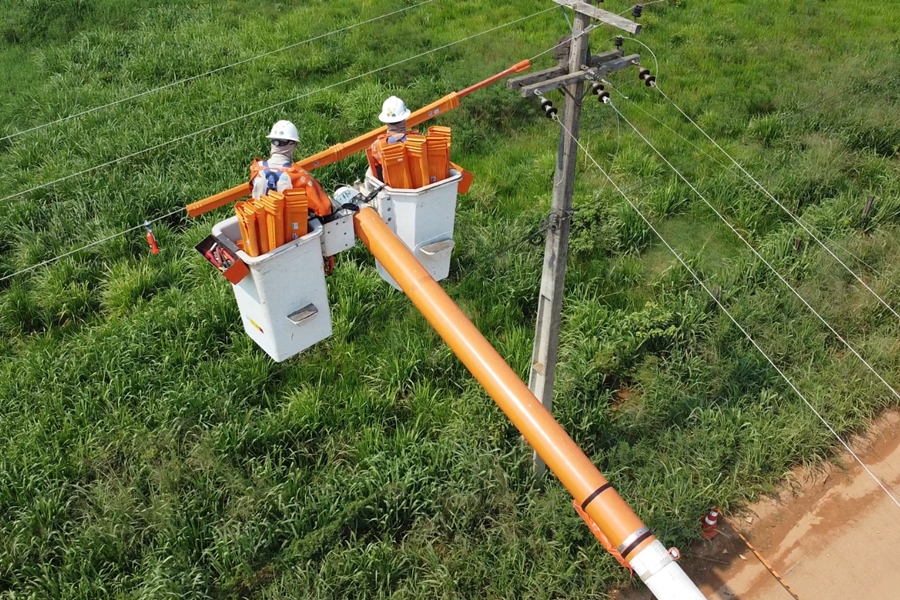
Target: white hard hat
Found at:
393, 110
284, 130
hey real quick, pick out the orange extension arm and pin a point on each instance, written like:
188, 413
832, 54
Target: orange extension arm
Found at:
340, 151
613, 522
574, 469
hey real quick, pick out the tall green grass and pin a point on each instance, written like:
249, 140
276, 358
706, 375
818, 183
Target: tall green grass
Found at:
149, 449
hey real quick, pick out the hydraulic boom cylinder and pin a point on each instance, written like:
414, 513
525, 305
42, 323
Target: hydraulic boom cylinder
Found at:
637, 545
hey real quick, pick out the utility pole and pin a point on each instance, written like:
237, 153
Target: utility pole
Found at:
569, 76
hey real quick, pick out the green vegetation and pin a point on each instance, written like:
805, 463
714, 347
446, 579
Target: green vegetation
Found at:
149, 449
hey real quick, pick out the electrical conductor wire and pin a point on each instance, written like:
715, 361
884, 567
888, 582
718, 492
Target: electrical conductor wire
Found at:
782, 206
585, 31
761, 257
86, 246
270, 107
732, 318
728, 168
212, 72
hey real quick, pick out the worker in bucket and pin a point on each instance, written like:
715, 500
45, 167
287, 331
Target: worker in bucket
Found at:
273, 174
278, 173
394, 114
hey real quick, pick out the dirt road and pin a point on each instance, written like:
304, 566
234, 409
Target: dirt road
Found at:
832, 534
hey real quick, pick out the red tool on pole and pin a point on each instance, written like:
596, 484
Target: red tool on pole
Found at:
154, 248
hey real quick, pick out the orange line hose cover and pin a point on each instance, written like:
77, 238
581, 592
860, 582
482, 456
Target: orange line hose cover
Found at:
573, 468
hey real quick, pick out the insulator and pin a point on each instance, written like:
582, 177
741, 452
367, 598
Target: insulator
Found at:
596, 88
619, 41
549, 109
643, 74
603, 97
650, 81
638, 9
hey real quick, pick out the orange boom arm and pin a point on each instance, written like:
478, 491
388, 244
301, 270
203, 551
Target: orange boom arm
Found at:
340, 151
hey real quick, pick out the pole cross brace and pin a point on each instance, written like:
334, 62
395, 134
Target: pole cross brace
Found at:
604, 16
593, 61
597, 72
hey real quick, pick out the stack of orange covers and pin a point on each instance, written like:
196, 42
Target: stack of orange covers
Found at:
395, 168
438, 153
417, 153
271, 220
419, 161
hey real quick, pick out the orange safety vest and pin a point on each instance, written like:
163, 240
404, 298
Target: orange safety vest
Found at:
318, 200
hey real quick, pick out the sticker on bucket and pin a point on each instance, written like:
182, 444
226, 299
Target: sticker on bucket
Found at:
254, 323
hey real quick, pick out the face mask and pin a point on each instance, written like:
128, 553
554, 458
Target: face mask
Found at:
397, 127
285, 147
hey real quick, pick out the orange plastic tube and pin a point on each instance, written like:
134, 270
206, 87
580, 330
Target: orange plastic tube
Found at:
516, 68
576, 472
439, 107
221, 199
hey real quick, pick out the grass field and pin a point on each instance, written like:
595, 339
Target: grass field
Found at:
149, 449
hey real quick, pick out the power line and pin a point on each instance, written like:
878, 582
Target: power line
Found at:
760, 256
92, 244
782, 206
565, 42
652, 116
734, 320
212, 72
732, 170
650, 50
270, 107
100, 241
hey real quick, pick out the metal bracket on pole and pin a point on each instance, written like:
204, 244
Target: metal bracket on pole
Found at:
536, 89
594, 61
604, 16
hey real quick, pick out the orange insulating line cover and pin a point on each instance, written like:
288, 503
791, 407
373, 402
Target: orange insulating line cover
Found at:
221, 199
576, 472
516, 68
340, 151
448, 102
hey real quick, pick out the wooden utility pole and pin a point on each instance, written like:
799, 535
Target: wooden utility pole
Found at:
569, 76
